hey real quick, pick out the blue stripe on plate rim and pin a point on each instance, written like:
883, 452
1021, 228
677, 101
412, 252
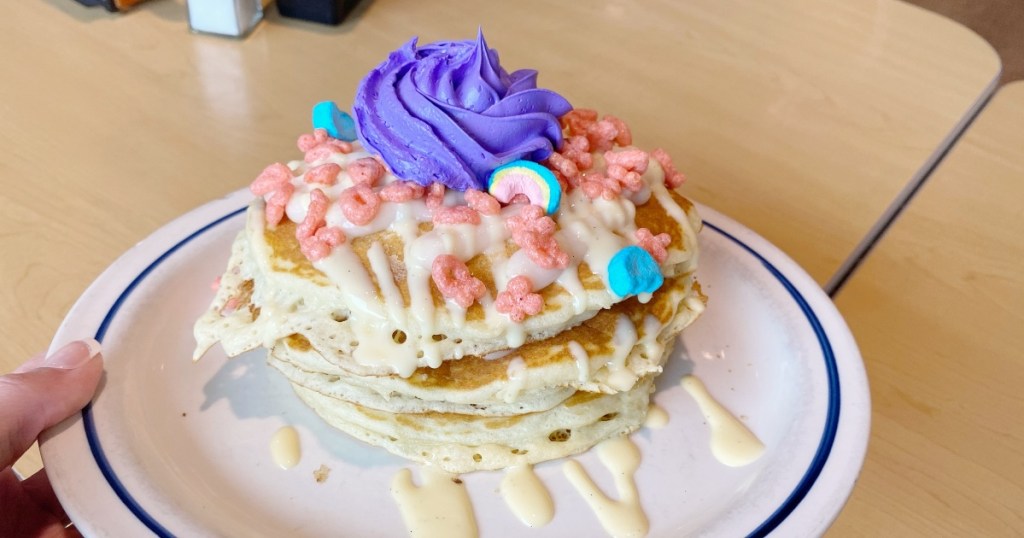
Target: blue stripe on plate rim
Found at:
774, 520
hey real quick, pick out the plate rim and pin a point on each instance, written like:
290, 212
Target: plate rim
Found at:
848, 394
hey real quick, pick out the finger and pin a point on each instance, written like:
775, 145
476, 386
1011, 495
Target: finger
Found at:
20, 515
35, 362
37, 488
33, 400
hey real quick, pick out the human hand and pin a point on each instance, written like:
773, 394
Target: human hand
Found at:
39, 394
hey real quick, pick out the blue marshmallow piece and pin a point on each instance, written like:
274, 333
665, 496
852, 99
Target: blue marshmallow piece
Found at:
632, 271
338, 124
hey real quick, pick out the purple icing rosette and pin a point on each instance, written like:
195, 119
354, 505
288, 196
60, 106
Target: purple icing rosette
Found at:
448, 112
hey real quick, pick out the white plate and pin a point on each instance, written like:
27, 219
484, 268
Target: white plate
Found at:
172, 447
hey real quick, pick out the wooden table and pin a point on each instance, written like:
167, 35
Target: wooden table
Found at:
804, 119
938, 311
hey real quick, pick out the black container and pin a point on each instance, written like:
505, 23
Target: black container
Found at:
322, 11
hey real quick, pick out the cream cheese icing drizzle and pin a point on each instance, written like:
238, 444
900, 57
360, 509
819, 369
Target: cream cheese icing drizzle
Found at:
516, 373
526, 496
620, 377
438, 508
657, 417
582, 359
732, 443
624, 517
285, 449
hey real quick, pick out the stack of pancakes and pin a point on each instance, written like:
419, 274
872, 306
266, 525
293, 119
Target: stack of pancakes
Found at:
369, 342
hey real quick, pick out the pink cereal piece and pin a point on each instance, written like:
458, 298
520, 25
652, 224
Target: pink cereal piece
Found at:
319, 153
319, 245
577, 149
655, 245
563, 165
321, 146
624, 137
673, 178
517, 300
276, 202
366, 170
271, 179
600, 185
545, 252
215, 285
563, 183
401, 191
631, 159
326, 149
324, 174
435, 195
627, 178
459, 214
533, 232
315, 215
530, 220
626, 166
307, 142
359, 204
578, 120
602, 135
455, 282
482, 202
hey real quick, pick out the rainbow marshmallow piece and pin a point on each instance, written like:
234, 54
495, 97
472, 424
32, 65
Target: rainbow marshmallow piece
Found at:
528, 178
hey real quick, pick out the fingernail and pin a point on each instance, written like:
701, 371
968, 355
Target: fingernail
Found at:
73, 355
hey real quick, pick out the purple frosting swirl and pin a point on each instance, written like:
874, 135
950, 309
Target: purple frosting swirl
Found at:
448, 112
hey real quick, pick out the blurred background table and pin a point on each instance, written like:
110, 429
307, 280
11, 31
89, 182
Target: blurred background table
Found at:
806, 120
938, 311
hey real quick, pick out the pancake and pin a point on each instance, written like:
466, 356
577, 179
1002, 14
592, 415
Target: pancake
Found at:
464, 443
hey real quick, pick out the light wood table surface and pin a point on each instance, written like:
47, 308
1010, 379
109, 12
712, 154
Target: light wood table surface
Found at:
938, 311
803, 119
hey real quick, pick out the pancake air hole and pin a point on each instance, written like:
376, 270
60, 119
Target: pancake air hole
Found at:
477, 458
339, 316
398, 336
439, 337
560, 436
608, 416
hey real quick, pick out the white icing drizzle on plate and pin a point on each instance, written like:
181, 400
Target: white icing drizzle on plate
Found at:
624, 517
657, 417
285, 448
526, 496
438, 508
732, 443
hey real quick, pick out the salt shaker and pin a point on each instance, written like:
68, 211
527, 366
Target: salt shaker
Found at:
235, 18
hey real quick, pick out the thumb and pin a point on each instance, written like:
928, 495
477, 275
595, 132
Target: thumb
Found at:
43, 392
